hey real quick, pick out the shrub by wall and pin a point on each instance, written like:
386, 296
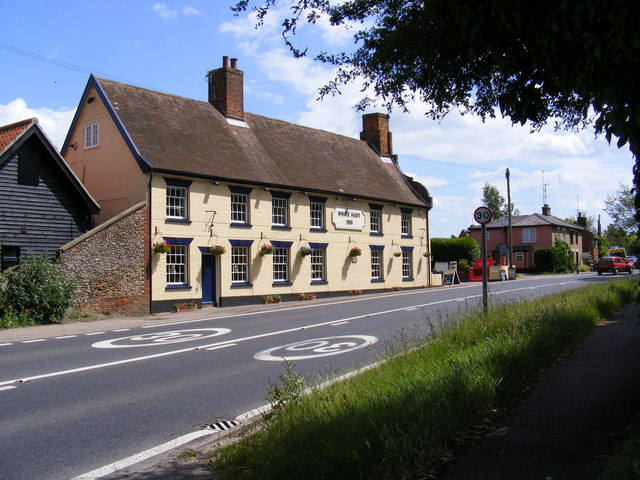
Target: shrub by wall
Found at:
455, 249
554, 259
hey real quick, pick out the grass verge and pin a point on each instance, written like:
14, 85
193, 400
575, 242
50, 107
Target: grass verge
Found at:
402, 419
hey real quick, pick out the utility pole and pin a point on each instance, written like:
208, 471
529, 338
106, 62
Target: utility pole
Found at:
510, 234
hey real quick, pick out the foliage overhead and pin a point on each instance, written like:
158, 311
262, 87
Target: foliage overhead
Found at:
620, 208
572, 62
492, 198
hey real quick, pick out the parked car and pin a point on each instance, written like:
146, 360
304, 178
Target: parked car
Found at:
613, 265
633, 260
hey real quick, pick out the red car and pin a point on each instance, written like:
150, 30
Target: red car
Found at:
613, 265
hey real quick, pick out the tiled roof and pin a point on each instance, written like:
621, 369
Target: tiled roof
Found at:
177, 134
9, 133
533, 220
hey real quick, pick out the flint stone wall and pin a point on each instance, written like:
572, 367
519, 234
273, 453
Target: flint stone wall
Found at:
111, 265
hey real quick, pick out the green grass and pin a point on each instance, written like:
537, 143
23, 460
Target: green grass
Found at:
403, 418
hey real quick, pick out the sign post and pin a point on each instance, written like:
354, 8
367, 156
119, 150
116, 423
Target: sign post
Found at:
483, 215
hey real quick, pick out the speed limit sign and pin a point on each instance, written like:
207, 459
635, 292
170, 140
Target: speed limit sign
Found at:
482, 215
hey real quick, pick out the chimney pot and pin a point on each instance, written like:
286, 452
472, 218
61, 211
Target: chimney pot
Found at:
226, 89
375, 131
546, 210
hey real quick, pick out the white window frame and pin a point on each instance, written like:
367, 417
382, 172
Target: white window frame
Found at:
91, 137
176, 202
316, 215
376, 265
239, 265
405, 224
177, 265
407, 264
519, 257
529, 235
319, 265
280, 264
239, 208
375, 221
280, 212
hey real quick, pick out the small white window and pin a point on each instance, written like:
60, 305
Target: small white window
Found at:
318, 256
239, 264
407, 264
91, 135
374, 221
317, 215
281, 265
376, 264
519, 257
280, 207
177, 265
176, 202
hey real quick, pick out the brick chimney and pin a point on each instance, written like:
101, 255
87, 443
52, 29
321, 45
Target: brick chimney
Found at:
546, 210
375, 131
226, 89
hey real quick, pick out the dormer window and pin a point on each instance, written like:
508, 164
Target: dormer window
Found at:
91, 135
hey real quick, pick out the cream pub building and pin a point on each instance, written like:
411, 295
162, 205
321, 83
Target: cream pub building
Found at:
241, 206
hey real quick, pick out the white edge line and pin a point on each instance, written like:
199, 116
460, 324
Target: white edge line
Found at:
139, 457
8, 387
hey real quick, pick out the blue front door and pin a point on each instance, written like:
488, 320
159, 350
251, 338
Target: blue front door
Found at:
208, 279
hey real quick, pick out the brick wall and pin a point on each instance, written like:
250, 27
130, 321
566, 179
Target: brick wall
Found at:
111, 265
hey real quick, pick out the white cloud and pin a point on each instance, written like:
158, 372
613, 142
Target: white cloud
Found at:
54, 123
165, 12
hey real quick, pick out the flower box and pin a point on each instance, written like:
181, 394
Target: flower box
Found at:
271, 299
185, 307
355, 292
307, 296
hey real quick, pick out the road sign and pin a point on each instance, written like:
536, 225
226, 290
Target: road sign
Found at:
482, 215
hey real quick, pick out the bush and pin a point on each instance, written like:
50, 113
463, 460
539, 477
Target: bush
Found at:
450, 249
553, 260
35, 292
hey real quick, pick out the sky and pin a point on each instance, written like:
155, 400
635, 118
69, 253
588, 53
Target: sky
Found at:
49, 49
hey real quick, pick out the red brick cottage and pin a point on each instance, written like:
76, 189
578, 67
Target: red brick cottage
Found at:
529, 233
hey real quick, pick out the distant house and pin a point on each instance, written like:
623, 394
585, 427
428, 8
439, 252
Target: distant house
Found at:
288, 206
43, 204
530, 232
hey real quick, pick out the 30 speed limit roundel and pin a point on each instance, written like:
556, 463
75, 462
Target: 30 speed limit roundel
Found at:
482, 215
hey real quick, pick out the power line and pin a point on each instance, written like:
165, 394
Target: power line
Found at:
442, 162
61, 64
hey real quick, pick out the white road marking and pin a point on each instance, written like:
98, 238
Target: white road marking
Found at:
122, 330
162, 338
316, 348
94, 333
34, 341
337, 324
8, 387
5, 344
219, 347
139, 457
65, 336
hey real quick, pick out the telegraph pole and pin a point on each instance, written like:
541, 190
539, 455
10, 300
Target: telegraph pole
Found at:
510, 234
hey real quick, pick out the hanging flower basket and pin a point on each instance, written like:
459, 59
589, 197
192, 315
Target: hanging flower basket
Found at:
426, 254
304, 251
265, 249
307, 296
161, 247
397, 254
217, 250
355, 252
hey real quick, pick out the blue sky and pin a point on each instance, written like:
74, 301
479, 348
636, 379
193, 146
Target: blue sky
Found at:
48, 50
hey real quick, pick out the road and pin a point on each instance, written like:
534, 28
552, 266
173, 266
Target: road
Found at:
79, 403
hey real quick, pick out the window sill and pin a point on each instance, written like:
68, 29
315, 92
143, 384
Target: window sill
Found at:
281, 284
319, 282
280, 227
377, 280
240, 225
318, 230
375, 234
404, 235
241, 285
177, 220
178, 287
407, 279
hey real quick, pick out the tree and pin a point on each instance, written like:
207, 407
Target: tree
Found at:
492, 198
620, 207
572, 62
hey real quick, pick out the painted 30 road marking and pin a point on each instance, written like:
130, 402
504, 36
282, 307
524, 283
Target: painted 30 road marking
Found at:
316, 348
161, 338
